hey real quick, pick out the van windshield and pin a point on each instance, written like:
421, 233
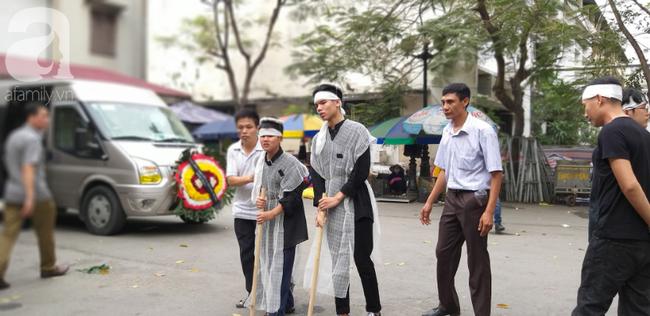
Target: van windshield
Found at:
138, 122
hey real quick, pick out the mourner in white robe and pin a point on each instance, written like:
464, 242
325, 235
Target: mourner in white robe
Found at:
340, 161
283, 178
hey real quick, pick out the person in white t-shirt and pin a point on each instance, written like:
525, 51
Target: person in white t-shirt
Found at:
241, 160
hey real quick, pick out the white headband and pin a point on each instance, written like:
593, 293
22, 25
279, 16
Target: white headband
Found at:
326, 95
271, 119
633, 105
612, 91
269, 132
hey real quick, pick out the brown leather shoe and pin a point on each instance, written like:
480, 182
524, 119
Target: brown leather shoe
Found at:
4, 285
58, 271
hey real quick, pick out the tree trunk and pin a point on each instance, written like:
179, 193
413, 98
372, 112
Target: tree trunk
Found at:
518, 120
511, 102
630, 38
223, 47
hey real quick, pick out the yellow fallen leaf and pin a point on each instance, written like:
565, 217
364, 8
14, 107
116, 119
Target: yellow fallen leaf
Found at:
427, 241
401, 264
180, 261
183, 246
504, 306
194, 270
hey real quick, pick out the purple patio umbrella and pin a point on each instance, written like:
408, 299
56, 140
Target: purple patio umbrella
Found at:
189, 112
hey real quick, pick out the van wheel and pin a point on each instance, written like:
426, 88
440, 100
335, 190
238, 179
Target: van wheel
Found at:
102, 211
192, 221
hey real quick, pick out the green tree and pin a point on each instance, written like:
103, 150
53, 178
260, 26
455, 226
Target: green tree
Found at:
298, 109
557, 105
378, 38
386, 107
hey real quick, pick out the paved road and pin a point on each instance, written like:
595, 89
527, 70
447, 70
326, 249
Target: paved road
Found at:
160, 266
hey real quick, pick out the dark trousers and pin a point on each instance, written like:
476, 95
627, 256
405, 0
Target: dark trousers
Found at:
615, 267
245, 232
459, 223
362, 249
286, 297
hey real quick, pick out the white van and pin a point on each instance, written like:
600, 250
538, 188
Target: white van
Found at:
111, 148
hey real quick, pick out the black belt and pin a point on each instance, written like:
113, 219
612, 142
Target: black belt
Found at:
457, 191
461, 191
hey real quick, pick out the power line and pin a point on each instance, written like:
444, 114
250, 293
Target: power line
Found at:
593, 67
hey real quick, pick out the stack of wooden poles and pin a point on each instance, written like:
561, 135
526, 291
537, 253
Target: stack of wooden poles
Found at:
533, 182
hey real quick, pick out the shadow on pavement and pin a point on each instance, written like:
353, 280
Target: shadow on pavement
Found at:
160, 225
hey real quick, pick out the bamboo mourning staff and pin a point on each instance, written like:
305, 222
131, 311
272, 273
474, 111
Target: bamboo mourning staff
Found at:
314, 274
256, 265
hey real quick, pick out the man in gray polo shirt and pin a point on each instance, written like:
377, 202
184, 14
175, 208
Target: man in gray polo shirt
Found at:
26, 193
241, 160
470, 164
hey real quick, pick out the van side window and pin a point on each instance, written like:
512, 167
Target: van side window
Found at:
66, 120
72, 135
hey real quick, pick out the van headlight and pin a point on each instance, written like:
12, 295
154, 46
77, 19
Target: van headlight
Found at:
148, 171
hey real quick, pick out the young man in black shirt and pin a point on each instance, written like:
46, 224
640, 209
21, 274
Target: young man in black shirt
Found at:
617, 260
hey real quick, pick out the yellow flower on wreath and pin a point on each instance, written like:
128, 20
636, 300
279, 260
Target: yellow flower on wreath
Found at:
190, 185
206, 167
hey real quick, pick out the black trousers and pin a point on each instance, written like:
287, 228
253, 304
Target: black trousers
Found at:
245, 232
615, 267
363, 246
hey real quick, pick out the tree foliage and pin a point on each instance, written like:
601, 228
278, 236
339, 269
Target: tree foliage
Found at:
557, 105
379, 38
386, 107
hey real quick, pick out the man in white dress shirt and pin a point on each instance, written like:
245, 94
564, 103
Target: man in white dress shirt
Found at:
241, 160
470, 164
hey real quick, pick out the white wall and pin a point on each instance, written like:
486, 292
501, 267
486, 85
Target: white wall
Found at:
130, 55
8, 9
